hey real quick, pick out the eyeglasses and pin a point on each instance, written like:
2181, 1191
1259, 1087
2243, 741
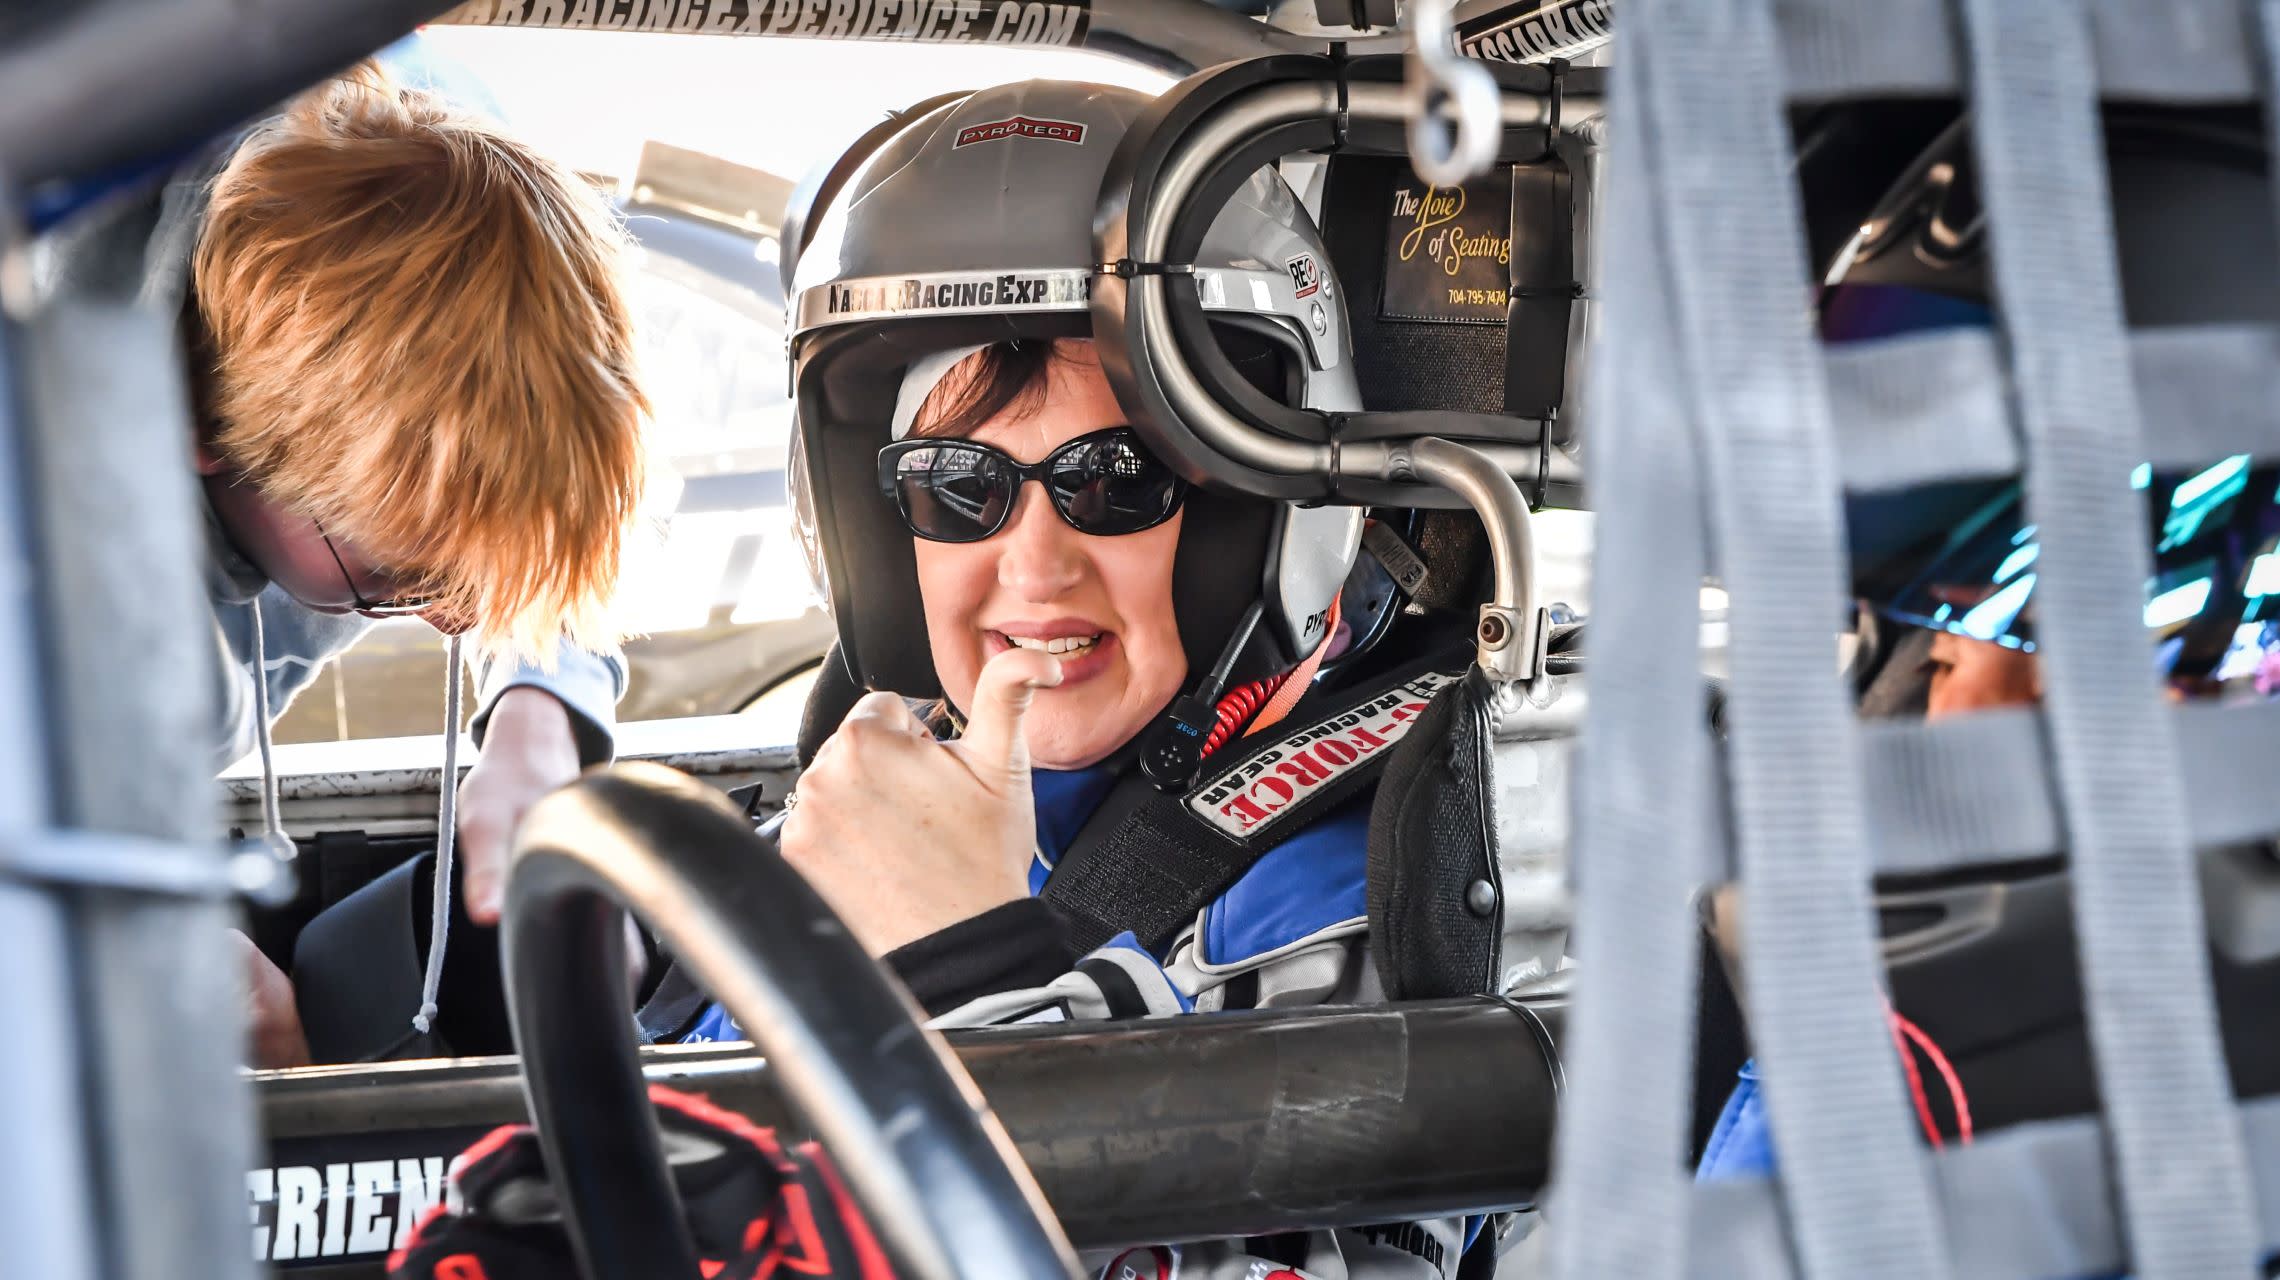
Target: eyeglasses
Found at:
378, 608
1104, 484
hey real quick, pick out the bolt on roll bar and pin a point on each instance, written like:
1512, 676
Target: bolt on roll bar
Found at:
1452, 101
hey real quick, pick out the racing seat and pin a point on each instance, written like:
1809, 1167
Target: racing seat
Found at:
357, 970
830, 698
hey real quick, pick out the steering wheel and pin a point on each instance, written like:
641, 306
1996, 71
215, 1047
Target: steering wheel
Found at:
935, 1174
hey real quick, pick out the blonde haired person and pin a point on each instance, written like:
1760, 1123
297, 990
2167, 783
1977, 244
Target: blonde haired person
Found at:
413, 379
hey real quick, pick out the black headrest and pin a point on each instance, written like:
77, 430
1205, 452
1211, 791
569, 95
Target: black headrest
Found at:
833, 695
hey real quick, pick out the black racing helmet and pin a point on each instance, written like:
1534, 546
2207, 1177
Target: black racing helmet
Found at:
2193, 211
970, 223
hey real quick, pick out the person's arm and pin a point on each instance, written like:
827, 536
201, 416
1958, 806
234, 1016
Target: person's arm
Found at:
1118, 980
1011, 965
586, 685
274, 1038
537, 728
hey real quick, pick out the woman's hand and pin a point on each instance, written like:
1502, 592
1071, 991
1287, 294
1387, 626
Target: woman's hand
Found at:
904, 835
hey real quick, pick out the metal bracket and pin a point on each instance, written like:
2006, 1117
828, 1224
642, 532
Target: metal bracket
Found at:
1512, 631
1128, 269
106, 860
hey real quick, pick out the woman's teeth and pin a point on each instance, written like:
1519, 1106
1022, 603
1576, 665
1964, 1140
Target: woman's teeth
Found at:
1066, 644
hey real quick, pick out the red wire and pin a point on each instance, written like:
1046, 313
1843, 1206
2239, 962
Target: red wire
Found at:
1915, 1082
1940, 1063
1237, 708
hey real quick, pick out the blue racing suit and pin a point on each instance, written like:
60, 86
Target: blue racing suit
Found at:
1741, 1146
1303, 901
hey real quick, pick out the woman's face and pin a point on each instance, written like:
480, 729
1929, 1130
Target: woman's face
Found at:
1038, 580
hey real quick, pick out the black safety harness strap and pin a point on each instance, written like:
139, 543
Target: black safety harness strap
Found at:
1147, 862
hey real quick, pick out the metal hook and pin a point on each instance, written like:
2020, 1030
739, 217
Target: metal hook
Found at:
1456, 124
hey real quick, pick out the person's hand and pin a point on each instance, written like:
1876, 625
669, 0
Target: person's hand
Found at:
529, 751
273, 1018
904, 835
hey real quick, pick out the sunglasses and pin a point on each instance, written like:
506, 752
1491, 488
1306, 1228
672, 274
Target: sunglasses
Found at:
1104, 484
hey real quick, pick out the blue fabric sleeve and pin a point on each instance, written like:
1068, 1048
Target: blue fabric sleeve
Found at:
715, 1027
588, 685
1741, 1145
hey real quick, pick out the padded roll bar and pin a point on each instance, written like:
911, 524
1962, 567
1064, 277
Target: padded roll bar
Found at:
98, 85
1173, 36
1139, 1133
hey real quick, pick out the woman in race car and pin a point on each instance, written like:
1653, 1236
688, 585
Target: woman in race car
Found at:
996, 538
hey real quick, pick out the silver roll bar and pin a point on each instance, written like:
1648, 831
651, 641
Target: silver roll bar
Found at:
1511, 632
1239, 120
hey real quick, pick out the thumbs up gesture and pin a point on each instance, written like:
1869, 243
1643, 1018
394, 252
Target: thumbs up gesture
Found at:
904, 835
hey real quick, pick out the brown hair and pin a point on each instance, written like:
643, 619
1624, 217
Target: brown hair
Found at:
418, 340
1015, 376
1005, 377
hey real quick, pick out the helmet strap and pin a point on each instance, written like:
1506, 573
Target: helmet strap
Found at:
1300, 680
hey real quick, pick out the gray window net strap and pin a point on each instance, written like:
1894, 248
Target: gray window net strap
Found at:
1693, 243
2178, 51
2034, 1200
2147, 991
1717, 138
1979, 789
1721, 426
1643, 782
1924, 408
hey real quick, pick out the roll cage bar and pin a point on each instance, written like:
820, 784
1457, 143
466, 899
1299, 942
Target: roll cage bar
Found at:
1168, 1154
98, 86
